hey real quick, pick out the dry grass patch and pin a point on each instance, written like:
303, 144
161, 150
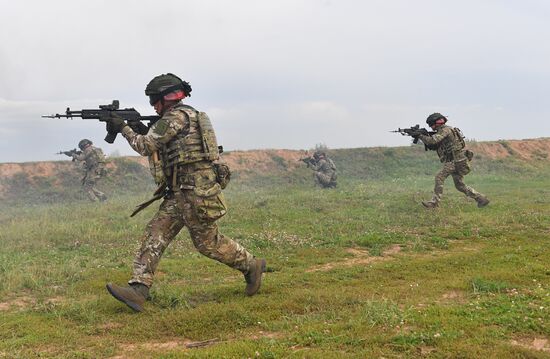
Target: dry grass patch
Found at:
361, 257
110, 326
426, 351
136, 350
268, 335
453, 296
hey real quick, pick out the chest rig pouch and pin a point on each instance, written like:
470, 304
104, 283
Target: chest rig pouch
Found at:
196, 142
196, 146
459, 156
95, 158
451, 149
459, 142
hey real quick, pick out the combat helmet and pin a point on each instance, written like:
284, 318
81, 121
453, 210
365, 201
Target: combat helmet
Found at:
431, 120
83, 143
166, 84
319, 154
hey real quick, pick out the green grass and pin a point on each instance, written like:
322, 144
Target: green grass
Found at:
466, 283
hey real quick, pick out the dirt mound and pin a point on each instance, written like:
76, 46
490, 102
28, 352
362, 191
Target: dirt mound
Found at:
262, 161
532, 149
23, 175
245, 164
35, 168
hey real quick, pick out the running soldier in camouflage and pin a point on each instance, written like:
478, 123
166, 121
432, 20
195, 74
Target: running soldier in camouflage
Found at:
450, 146
93, 161
325, 170
181, 147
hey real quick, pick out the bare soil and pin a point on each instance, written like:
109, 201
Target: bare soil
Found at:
530, 149
19, 303
537, 344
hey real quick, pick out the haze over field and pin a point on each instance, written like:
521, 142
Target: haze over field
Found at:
285, 74
362, 270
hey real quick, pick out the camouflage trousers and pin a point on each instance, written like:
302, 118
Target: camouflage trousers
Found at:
325, 180
457, 170
88, 185
198, 213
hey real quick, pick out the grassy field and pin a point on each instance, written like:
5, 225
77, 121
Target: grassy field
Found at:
359, 271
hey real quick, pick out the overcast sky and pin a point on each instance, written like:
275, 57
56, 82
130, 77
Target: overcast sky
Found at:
276, 74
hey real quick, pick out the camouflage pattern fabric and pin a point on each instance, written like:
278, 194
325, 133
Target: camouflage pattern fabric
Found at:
457, 171
172, 123
186, 209
448, 145
450, 149
325, 172
196, 203
89, 186
93, 161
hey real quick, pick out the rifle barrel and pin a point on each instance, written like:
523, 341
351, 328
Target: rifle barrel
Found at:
57, 115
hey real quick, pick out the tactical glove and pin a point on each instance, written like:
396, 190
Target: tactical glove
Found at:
138, 127
115, 124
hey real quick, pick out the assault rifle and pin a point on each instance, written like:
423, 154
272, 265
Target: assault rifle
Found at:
308, 160
105, 112
70, 153
414, 132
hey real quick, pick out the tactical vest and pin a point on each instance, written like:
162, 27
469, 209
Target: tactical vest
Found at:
452, 147
95, 158
195, 143
459, 138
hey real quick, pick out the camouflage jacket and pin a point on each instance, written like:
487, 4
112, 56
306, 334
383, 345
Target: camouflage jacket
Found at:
162, 131
449, 143
175, 124
325, 166
92, 157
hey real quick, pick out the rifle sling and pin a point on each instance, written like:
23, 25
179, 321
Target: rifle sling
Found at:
159, 193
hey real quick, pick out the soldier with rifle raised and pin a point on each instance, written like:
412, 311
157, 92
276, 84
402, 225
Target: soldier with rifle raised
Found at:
450, 146
182, 150
183, 154
93, 161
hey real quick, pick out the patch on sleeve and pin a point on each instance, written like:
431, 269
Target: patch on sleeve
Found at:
160, 127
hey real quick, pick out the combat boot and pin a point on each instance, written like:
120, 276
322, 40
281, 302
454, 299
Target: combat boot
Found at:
254, 277
430, 204
133, 295
482, 202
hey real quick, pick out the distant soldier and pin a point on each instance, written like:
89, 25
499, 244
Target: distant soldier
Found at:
181, 147
325, 170
93, 161
450, 146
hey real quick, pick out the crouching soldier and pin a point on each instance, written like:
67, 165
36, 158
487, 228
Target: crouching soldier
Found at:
325, 170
